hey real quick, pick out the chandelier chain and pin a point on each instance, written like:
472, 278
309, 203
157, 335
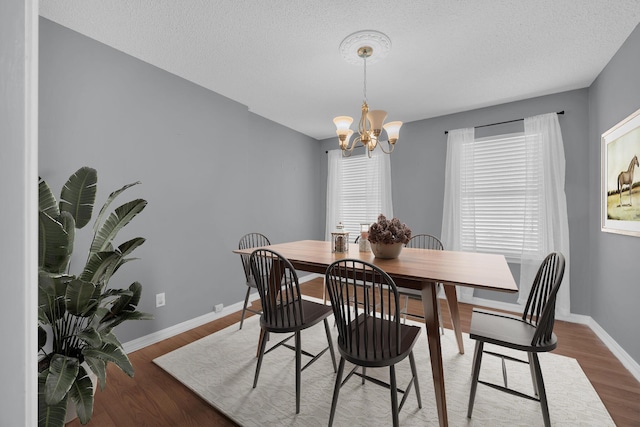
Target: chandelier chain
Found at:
364, 91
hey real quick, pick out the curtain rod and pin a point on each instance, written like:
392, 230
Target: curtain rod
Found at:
501, 123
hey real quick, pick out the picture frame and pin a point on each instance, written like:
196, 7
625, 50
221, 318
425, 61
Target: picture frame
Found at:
620, 193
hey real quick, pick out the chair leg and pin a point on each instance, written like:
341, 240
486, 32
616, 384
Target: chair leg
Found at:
477, 360
333, 354
406, 308
533, 375
414, 372
541, 392
336, 391
263, 345
394, 396
244, 307
324, 291
298, 369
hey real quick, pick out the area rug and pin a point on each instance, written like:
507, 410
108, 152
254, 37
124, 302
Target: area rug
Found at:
220, 369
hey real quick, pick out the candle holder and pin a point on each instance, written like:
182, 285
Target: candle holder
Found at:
363, 242
339, 240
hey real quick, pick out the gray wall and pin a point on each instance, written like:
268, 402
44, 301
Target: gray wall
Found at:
18, 93
210, 170
614, 278
418, 166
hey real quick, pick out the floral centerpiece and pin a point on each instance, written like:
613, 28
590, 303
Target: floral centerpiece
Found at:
388, 236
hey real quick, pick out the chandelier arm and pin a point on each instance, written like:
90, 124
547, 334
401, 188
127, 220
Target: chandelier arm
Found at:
392, 146
349, 149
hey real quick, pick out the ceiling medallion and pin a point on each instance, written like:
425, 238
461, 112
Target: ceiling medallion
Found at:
379, 43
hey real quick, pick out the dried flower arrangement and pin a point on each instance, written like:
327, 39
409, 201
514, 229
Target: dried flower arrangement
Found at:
389, 231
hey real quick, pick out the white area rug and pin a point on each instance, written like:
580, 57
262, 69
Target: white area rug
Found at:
221, 366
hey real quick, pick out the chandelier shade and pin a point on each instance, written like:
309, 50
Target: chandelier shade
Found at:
371, 122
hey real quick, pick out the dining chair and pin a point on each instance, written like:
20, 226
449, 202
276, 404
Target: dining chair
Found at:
531, 333
250, 240
421, 241
366, 307
285, 311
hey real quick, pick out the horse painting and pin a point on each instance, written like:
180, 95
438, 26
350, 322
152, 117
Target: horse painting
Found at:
626, 178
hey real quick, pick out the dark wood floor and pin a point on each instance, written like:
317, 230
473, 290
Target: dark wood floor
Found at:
154, 398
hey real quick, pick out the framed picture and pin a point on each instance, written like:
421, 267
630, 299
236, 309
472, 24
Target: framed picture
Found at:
620, 179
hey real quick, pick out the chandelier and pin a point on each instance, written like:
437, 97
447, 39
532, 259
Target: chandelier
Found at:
362, 45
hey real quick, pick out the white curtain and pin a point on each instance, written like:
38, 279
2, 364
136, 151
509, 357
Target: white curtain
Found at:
379, 186
334, 192
548, 206
451, 219
375, 182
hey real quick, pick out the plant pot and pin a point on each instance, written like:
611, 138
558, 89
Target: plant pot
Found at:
386, 250
71, 405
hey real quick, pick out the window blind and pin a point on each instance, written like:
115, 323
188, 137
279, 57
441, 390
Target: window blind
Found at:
499, 175
359, 203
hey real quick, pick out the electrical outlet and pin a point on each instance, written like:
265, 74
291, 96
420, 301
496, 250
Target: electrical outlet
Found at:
218, 308
160, 300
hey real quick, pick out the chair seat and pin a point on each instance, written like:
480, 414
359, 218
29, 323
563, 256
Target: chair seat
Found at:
288, 318
383, 354
507, 331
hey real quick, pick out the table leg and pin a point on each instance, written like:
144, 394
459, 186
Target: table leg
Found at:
430, 306
452, 301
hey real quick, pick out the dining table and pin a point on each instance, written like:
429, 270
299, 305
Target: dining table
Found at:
419, 269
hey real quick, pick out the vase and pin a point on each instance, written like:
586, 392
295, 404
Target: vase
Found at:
386, 250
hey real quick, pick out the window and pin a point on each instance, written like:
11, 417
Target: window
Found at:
498, 176
505, 195
358, 190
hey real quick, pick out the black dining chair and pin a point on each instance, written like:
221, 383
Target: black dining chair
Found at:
250, 240
531, 333
421, 241
366, 307
285, 311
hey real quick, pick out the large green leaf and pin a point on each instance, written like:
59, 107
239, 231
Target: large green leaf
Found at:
81, 393
46, 200
42, 337
128, 302
98, 264
130, 245
51, 297
49, 415
62, 373
54, 244
102, 265
116, 221
80, 297
79, 194
91, 337
106, 205
99, 367
111, 353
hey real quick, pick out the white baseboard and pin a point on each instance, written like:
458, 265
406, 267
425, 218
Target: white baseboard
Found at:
155, 337
624, 358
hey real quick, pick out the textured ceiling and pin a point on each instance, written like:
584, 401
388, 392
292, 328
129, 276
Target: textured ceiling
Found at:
280, 58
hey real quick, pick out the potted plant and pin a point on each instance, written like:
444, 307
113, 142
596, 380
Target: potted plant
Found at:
388, 236
77, 313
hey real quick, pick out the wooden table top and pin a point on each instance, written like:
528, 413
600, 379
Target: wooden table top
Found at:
484, 271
